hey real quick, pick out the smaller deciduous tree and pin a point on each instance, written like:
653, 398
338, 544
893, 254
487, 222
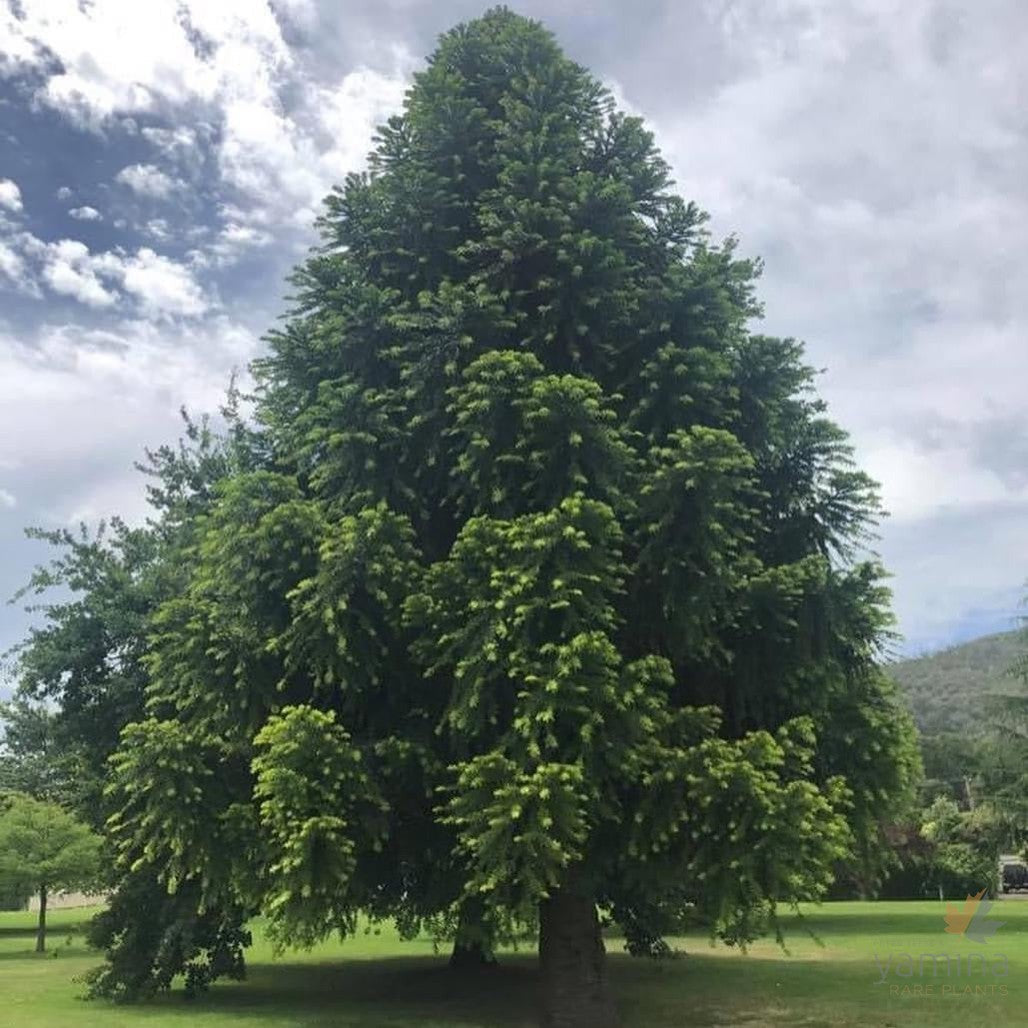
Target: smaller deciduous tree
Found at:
967, 846
46, 848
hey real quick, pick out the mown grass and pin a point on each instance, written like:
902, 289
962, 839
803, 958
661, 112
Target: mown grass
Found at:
377, 981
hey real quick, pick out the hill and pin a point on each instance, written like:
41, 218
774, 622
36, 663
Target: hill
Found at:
949, 691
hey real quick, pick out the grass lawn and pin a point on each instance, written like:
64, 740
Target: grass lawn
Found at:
376, 981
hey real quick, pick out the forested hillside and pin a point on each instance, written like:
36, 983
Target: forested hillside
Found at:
970, 703
953, 690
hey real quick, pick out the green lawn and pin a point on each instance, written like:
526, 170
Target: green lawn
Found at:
377, 981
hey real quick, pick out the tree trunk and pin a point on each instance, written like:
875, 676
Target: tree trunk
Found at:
472, 944
41, 931
470, 955
571, 956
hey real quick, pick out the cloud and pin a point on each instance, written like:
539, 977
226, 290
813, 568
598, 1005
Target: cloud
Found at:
85, 214
110, 57
277, 135
232, 242
78, 404
185, 147
7, 500
15, 271
160, 286
872, 153
10, 195
286, 164
958, 572
69, 268
11, 263
148, 180
137, 372
64, 193
77, 407
158, 228
885, 215
172, 142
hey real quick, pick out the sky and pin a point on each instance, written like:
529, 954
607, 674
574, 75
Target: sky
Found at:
161, 165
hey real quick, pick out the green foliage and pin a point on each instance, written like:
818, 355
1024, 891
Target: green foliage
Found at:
518, 829
947, 852
13, 895
44, 847
966, 855
169, 777
146, 953
538, 566
696, 525
345, 618
32, 758
523, 438
725, 814
85, 658
85, 663
950, 692
316, 805
970, 703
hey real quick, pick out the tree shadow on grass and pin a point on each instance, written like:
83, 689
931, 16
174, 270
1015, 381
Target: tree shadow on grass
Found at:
382, 993
27, 930
712, 989
22, 931
883, 922
707, 990
56, 948
700, 990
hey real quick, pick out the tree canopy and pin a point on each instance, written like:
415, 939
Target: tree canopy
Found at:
542, 591
32, 760
44, 848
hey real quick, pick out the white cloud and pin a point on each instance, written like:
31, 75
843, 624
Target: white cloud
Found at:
158, 228
173, 143
885, 215
85, 214
961, 566
873, 153
148, 180
114, 56
918, 484
162, 286
10, 195
70, 269
64, 193
283, 138
232, 242
14, 270
286, 164
7, 500
67, 462
11, 263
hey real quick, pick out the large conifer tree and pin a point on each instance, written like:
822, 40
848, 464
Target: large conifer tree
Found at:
545, 603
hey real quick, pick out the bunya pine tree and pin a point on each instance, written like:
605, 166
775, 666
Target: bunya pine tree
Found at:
547, 602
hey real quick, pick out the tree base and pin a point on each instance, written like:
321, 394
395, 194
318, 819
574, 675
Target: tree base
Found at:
471, 956
472, 943
575, 993
41, 929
